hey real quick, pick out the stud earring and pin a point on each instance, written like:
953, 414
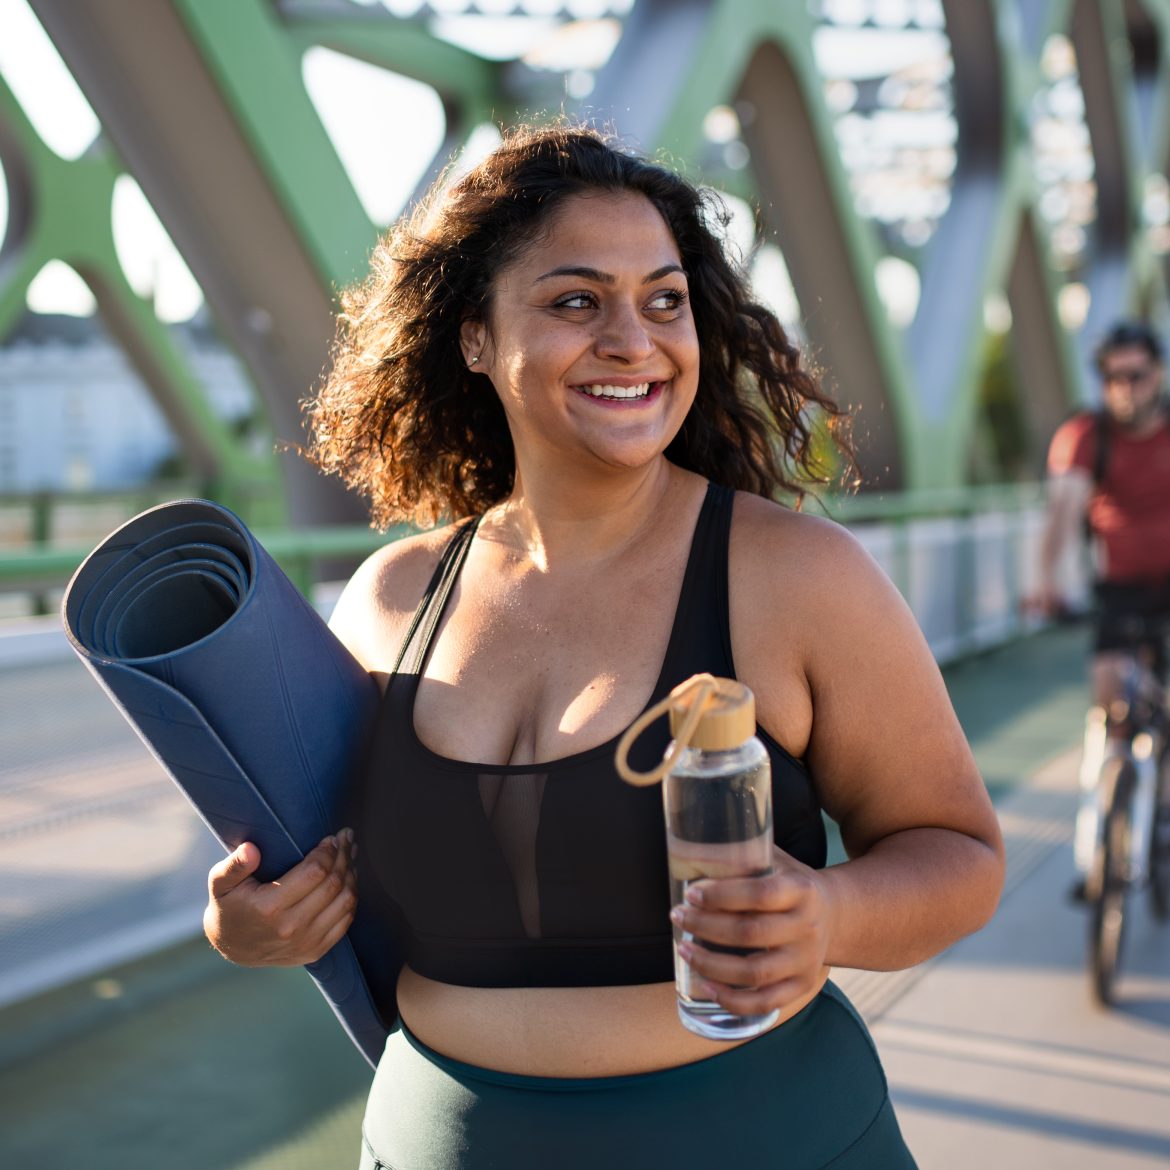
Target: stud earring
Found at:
473, 361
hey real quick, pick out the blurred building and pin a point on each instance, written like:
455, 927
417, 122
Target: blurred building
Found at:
75, 416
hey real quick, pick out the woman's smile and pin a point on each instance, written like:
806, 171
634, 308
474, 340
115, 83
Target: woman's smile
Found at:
621, 394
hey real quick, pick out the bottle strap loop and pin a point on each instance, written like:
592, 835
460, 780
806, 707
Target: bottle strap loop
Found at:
700, 689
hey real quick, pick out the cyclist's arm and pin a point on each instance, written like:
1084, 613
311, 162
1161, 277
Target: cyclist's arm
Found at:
1068, 501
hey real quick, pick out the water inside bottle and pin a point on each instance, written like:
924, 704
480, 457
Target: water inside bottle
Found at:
689, 862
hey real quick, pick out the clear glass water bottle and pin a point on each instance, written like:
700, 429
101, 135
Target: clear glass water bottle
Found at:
717, 797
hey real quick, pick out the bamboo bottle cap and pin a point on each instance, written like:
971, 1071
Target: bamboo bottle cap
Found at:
728, 718
709, 713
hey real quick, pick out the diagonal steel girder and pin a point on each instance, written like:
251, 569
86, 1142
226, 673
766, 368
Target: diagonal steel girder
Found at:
144, 73
61, 210
1097, 30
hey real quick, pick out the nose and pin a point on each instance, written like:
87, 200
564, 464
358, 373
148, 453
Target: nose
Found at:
622, 334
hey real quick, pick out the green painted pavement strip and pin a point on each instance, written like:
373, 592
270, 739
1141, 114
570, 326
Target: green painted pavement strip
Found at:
1022, 704
180, 1061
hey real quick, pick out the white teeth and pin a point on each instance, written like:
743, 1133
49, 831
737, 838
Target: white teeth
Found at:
599, 390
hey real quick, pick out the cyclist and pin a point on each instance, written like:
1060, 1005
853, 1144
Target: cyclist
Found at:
1109, 473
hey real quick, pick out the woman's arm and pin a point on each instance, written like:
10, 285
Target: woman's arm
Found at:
844, 677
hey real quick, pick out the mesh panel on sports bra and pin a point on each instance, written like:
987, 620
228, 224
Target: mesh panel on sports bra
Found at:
512, 806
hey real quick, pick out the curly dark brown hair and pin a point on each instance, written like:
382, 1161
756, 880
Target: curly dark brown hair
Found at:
401, 418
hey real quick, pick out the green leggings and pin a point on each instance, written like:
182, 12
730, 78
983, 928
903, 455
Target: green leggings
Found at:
808, 1094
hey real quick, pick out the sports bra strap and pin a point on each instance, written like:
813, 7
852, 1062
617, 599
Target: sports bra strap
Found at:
434, 600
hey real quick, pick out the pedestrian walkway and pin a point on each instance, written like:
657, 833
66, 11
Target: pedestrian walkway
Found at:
996, 1055
102, 860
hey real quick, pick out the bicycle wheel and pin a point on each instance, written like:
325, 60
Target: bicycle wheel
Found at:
1160, 845
1110, 885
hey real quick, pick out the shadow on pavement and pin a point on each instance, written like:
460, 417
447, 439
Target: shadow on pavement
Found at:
1108, 1138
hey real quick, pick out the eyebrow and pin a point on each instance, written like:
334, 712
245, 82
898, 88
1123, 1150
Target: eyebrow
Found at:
599, 277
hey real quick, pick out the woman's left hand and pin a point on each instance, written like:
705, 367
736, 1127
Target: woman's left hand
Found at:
784, 919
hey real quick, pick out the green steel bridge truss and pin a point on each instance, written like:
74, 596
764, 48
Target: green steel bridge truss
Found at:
204, 103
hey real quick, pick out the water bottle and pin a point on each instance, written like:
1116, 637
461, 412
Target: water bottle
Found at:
717, 797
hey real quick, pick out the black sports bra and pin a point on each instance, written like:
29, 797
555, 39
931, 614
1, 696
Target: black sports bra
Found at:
550, 874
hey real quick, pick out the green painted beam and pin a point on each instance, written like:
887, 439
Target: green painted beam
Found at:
71, 221
410, 50
17, 271
296, 549
258, 69
899, 507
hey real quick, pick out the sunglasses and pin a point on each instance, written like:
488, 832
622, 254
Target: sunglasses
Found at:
1129, 377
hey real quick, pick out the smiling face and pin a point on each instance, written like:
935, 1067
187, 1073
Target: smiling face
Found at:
589, 339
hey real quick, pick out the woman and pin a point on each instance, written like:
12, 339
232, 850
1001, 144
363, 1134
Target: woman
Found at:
556, 346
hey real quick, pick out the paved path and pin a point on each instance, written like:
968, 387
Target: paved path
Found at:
997, 1057
102, 860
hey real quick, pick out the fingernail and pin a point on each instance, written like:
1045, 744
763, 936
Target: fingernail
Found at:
707, 990
677, 915
694, 895
686, 952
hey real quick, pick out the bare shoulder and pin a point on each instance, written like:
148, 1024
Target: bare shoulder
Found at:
805, 597
809, 565
816, 610
375, 608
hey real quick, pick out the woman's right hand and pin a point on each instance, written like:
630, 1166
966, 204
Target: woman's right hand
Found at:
286, 923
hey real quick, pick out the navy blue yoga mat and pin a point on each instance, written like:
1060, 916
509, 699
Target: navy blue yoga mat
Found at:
241, 691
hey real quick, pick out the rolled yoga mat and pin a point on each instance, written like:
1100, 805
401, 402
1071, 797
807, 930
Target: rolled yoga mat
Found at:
255, 709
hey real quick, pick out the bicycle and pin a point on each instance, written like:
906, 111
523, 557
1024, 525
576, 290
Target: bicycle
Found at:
1131, 738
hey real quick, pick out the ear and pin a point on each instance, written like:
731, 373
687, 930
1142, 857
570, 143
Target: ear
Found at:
473, 338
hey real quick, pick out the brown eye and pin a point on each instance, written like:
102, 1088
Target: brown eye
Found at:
579, 300
667, 301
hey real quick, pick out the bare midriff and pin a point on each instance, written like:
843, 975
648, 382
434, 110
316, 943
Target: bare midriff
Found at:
559, 1031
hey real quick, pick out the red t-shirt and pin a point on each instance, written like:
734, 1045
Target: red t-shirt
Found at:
1130, 509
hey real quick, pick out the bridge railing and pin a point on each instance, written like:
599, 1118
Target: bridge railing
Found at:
44, 537
965, 559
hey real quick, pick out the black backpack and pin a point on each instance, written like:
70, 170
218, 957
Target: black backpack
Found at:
1102, 433
1102, 448
1100, 464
